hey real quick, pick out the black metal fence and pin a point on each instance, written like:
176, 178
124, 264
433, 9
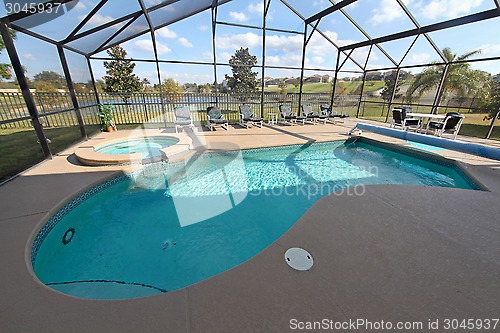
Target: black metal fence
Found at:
56, 109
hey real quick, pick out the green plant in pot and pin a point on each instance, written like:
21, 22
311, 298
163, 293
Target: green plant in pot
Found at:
107, 124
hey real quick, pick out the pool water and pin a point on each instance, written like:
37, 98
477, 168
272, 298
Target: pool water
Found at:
148, 147
169, 226
423, 146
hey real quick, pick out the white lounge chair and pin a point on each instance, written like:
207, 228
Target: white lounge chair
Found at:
215, 118
286, 116
182, 117
247, 117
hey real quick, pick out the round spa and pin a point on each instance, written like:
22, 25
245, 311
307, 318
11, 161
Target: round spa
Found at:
129, 150
148, 146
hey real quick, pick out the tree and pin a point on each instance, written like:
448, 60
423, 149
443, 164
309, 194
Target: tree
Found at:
172, 89
205, 88
44, 86
119, 76
390, 82
146, 85
244, 81
6, 69
459, 78
491, 100
55, 79
283, 88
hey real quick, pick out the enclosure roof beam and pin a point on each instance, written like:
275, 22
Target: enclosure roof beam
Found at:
320, 32
43, 38
180, 18
106, 25
381, 49
258, 28
119, 31
86, 19
329, 10
417, 25
429, 28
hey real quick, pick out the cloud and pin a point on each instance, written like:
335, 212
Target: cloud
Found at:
318, 60
153, 2
203, 27
97, 19
256, 8
389, 10
284, 43
239, 17
448, 8
80, 5
146, 46
208, 55
29, 56
234, 42
318, 49
320, 3
223, 56
188, 77
184, 42
165, 33
489, 49
419, 58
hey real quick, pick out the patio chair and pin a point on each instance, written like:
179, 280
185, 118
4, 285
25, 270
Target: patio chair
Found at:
451, 123
182, 117
399, 119
308, 112
215, 117
247, 117
331, 115
286, 116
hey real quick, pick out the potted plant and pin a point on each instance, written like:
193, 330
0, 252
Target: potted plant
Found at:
107, 124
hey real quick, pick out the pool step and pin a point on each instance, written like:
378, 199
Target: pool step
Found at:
168, 152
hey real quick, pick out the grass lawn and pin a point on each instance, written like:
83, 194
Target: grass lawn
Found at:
327, 87
20, 150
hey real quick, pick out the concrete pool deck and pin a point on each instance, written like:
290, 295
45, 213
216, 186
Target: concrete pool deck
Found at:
396, 253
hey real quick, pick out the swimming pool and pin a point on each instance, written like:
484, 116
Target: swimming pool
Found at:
148, 146
171, 225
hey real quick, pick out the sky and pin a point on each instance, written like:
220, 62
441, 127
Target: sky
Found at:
191, 39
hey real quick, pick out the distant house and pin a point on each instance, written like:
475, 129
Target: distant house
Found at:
496, 78
316, 78
292, 80
374, 76
326, 78
270, 82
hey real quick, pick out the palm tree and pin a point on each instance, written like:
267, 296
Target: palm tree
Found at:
459, 78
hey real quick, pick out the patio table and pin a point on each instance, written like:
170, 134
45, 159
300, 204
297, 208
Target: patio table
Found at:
427, 116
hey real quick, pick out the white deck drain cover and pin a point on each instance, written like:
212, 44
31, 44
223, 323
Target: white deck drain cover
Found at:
299, 259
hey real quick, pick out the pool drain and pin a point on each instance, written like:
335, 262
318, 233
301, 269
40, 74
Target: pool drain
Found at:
299, 259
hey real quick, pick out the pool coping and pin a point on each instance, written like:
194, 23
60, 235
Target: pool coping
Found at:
88, 155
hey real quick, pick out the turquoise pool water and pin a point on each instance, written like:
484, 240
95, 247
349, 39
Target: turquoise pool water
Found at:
169, 226
423, 146
148, 147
